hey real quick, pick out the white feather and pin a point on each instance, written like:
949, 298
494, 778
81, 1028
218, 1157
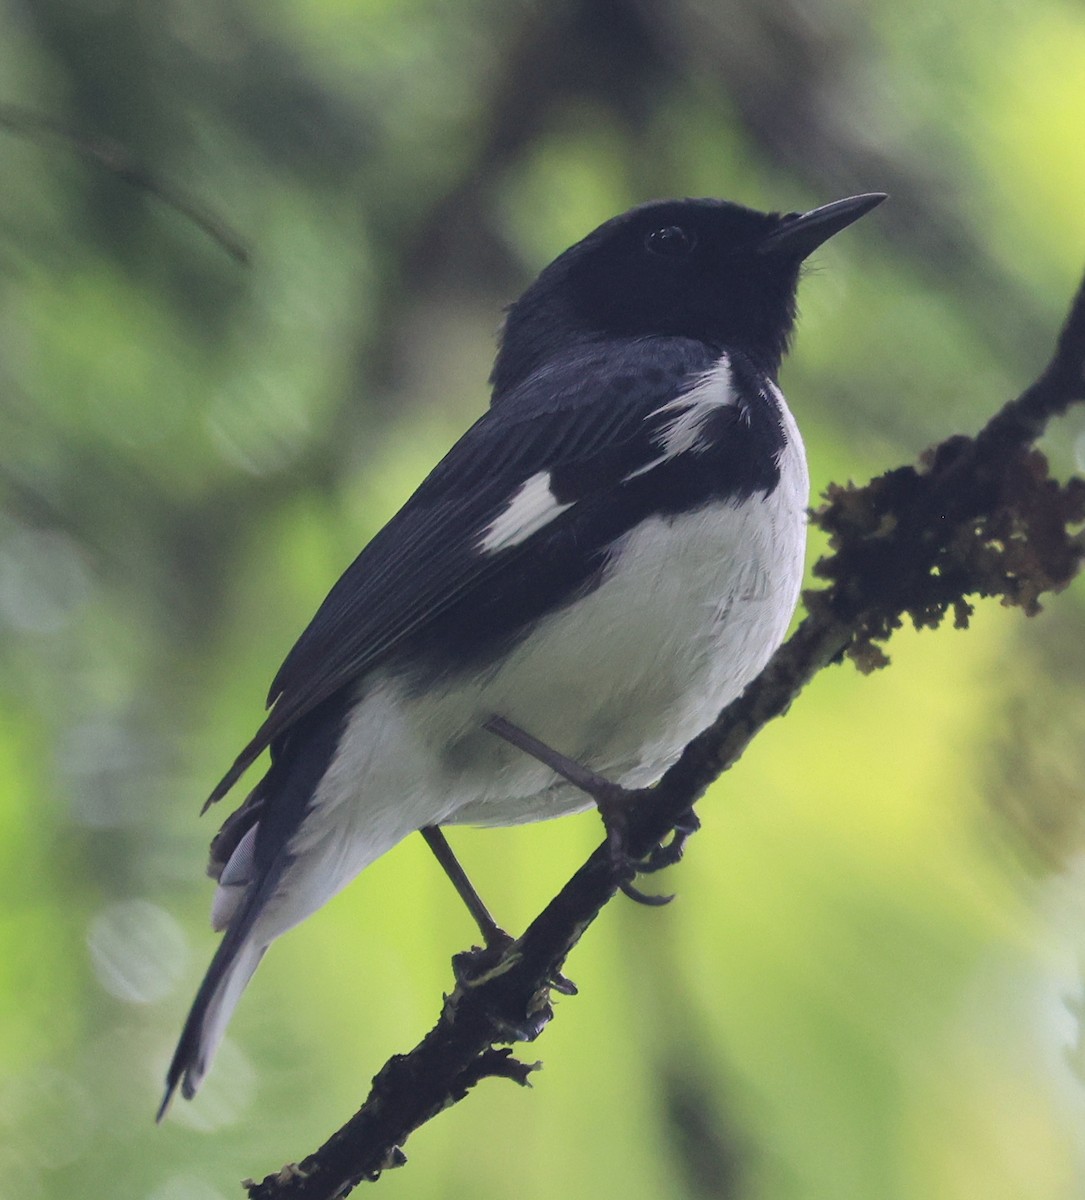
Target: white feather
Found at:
692, 409
235, 878
712, 391
531, 506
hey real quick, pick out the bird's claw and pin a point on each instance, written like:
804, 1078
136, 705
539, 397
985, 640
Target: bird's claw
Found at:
668, 853
562, 984
626, 868
652, 899
472, 968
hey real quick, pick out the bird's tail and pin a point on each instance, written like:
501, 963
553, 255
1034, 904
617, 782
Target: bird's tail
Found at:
238, 955
249, 881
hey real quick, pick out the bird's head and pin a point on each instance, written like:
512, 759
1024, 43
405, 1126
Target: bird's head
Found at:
705, 269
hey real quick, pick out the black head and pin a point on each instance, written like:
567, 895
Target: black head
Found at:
703, 269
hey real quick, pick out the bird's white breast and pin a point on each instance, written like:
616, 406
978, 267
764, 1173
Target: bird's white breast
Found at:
689, 612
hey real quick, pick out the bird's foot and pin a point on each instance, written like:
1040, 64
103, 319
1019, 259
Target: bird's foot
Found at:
670, 852
472, 968
480, 966
626, 867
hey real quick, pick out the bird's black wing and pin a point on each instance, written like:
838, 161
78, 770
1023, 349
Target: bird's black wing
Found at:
444, 575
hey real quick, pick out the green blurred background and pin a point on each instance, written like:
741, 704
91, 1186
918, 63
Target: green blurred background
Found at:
869, 984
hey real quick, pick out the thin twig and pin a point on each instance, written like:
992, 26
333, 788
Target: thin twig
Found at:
113, 157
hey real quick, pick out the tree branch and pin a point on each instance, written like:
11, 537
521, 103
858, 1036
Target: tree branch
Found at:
113, 157
976, 517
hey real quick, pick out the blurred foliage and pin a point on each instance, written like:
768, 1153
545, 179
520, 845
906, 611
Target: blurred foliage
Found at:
869, 985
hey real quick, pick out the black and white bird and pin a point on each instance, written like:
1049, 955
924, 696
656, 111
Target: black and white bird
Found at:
605, 559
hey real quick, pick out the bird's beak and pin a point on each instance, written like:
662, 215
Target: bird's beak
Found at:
799, 234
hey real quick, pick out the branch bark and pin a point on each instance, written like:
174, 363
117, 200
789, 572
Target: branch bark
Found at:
976, 517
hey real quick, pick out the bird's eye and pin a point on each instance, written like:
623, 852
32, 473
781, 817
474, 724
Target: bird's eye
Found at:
672, 241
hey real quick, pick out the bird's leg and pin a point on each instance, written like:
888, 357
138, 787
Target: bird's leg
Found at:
492, 933
475, 966
604, 792
610, 798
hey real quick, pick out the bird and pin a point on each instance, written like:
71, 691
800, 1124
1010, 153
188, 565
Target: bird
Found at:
606, 558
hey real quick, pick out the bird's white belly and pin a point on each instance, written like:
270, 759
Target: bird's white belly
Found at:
689, 613
689, 610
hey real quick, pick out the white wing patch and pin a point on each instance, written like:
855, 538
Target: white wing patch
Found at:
531, 506
692, 409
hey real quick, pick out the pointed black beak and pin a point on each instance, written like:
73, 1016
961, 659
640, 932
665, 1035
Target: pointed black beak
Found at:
799, 234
